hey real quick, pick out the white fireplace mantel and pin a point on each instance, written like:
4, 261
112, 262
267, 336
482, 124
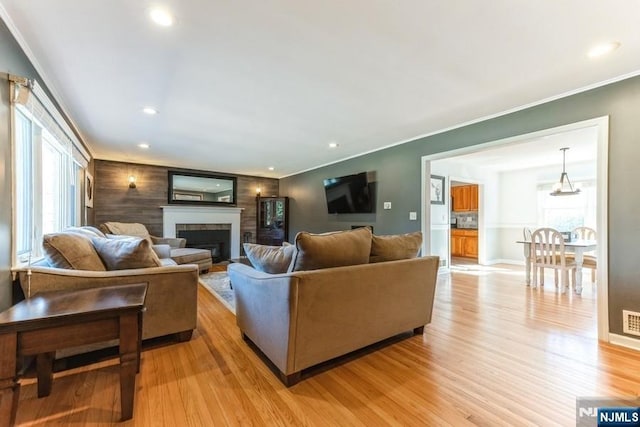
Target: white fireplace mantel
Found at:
172, 215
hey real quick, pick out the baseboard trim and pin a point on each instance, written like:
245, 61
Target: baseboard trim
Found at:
624, 341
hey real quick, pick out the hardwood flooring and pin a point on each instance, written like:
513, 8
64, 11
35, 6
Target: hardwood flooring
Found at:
496, 353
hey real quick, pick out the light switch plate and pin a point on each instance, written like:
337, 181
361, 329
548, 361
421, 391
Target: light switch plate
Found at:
387, 205
413, 216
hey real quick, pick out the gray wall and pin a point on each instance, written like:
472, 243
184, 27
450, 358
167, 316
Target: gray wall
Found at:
12, 60
398, 178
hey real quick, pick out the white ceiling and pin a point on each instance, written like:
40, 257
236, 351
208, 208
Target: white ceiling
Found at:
244, 85
537, 152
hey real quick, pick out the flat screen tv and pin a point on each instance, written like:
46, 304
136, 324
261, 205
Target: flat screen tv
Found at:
348, 194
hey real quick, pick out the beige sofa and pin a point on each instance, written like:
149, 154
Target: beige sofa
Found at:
175, 246
301, 318
171, 302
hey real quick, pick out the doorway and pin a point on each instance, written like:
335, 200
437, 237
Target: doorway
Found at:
434, 243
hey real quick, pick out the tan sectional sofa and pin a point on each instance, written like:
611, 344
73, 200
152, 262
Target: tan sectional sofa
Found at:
171, 302
299, 319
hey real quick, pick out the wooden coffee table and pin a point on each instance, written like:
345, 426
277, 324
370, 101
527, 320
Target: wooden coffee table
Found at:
52, 321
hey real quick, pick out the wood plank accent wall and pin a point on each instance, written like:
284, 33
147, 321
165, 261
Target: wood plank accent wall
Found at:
115, 201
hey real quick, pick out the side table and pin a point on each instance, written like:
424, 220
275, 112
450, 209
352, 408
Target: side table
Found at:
51, 321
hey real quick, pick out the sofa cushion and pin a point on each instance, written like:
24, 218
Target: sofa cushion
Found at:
270, 259
163, 251
395, 247
71, 251
316, 251
123, 254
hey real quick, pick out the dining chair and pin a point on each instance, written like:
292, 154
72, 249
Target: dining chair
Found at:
590, 260
526, 234
548, 251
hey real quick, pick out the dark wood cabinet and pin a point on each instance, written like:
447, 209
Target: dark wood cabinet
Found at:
273, 220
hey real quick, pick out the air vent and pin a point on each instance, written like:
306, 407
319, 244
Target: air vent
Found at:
443, 263
631, 322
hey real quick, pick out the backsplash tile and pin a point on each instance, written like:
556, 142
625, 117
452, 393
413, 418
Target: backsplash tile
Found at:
465, 219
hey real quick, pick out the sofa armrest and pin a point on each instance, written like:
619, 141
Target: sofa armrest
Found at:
174, 242
265, 311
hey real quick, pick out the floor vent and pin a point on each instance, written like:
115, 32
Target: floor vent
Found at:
631, 322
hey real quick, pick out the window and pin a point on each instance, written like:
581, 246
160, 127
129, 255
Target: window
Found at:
46, 180
564, 213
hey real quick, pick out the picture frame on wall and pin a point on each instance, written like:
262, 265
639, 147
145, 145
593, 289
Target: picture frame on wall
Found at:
437, 190
88, 189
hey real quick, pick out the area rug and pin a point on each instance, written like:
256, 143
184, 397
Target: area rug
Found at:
218, 284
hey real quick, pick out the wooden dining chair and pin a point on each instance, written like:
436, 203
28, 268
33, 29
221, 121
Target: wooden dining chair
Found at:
590, 260
548, 251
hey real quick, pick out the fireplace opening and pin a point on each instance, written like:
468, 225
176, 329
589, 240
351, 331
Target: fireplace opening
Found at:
217, 241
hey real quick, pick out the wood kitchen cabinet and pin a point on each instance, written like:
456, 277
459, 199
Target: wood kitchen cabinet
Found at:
464, 243
457, 245
464, 198
473, 197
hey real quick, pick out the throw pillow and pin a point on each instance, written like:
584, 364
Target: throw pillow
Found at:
316, 251
269, 259
126, 253
391, 248
86, 230
71, 251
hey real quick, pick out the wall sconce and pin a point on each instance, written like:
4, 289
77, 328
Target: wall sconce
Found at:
258, 192
132, 181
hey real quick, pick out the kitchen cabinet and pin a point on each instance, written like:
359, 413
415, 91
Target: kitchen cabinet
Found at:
457, 245
464, 243
464, 198
473, 197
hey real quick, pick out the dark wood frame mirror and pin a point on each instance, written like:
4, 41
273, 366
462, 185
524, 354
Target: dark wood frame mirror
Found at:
200, 188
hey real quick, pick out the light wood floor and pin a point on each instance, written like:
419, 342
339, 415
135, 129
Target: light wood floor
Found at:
496, 353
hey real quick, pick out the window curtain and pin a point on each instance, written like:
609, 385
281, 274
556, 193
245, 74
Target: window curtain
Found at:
30, 95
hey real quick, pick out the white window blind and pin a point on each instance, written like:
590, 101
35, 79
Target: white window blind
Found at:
48, 161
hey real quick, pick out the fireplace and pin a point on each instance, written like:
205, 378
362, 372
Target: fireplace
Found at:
197, 218
217, 241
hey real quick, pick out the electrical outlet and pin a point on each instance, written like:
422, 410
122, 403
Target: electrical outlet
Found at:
387, 205
413, 216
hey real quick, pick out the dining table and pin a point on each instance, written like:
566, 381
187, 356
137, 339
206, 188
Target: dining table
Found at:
578, 247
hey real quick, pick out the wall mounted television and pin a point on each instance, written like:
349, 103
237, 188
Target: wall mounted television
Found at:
349, 194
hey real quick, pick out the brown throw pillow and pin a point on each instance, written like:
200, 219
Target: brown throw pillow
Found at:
71, 251
394, 247
269, 259
316, 251
122, 254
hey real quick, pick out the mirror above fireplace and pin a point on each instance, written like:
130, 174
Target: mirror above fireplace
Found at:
194, 188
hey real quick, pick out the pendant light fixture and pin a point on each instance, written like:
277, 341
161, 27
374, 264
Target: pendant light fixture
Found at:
559, 188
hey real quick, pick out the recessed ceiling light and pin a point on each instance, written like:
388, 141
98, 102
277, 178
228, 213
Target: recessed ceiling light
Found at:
150, 111
161, 17
143, 145
271, 168
602, 49
333, 145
